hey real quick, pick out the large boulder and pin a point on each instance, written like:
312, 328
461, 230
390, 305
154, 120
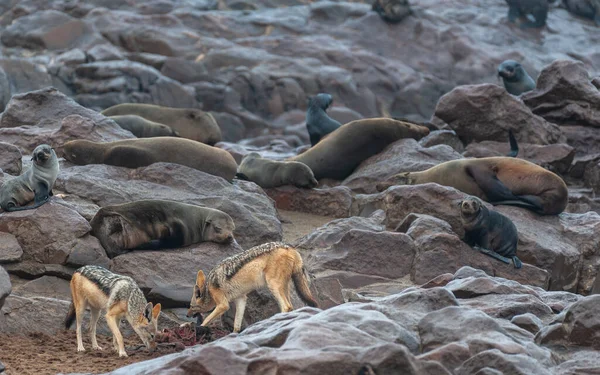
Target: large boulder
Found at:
10, 250
10, 159
487, 112
564, 94
253, 213
332, 202
5, 286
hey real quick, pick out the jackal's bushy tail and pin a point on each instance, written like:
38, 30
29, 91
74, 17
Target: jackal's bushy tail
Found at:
70, 316
300, 280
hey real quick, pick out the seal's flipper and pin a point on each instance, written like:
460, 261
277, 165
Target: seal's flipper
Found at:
487, 181
517, 262
241, 176
41, 196
493, 254
530, 202
128, 156
514, 146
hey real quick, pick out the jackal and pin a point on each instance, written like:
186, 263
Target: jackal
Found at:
120, 296
272, 264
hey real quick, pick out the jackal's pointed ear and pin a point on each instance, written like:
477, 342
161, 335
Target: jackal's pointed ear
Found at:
148, 311
200, 279
156, 311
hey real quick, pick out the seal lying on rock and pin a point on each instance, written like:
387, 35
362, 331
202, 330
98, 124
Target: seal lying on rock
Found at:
343, 150
188, 122
142, 128
33, 185
159, 224
489, 232
498, 180
318, 123
521, 8
584, 8
135, 153
268, 173
515, 78
392, 11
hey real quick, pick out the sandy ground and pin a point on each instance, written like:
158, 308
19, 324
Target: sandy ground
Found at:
299, 224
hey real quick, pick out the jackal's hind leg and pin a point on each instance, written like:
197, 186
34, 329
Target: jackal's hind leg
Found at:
240, 306
79, 311
281, 292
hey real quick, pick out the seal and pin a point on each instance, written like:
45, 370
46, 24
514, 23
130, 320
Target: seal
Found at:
515, 78
142, 128
392, 11
538, 9
33, 185
584, 8
159, 224
489, 232
337, 155
190, 123
497, 180
135, 153
514, 146
318, 123
268, 173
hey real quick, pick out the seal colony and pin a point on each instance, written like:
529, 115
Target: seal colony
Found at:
33, 185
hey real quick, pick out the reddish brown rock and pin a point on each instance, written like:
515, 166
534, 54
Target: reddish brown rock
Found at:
333, 202
10, 159
10, 250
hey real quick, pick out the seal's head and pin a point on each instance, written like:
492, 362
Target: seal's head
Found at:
218, 227
81, 152
470, 207
510, 71
42, 154
305, 177
321, 101
399, 179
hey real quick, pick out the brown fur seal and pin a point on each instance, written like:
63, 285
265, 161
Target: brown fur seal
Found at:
135, 153
498, 180
515, 78
584, 8
190, 123
538, 9
33, 185
142, 128
159, 224
337, 155
268, 173
489, 232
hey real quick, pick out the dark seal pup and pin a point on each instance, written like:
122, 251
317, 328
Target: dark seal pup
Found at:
489, 232
515, 78
538, 9
498, 180
135, 153
152, 224
392, 11
190, 123
584, 8
318, 123
33, 185
142, 128
268, 173
337, 155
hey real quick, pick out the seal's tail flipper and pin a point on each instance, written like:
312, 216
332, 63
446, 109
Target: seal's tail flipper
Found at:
241, 176
517, 262
514, 147
493, 254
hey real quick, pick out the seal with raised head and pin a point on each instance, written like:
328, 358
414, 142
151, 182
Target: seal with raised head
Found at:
489, 232
318, 123
159, 224
268, 173
190, 123
33, 185
135, 153
538, 9
142, 128
392, 11
584, 8
515, 78
337, 155
497, 180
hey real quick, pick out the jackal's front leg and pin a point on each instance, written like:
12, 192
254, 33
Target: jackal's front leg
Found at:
112, 320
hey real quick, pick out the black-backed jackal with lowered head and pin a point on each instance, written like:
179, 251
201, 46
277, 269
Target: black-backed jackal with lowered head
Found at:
99, 289
273, 265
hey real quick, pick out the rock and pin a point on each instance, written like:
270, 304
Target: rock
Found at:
510, 305
5, 286
486, 112
580, 326
585, 139
528, 322
44, 239
48, 116
10, 250
443, 137
565, 95
506, 363
472, 287
72, 57
333, 202
232, 128
45, 286
253, 213
51, 30
555, 157
104, 52
33, 270
450, 356
184, 71
21, 76
405, 155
